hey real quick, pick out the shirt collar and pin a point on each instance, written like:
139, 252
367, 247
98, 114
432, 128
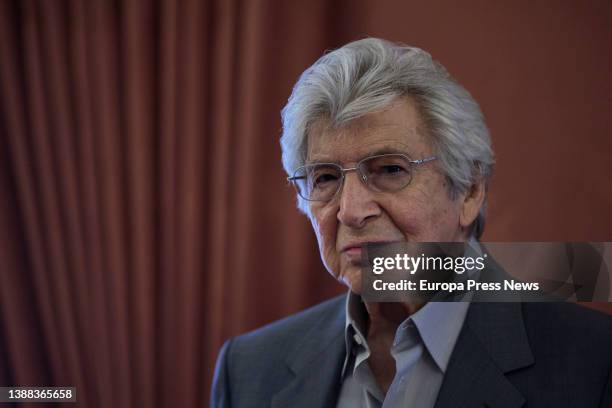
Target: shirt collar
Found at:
439, 324
355, 331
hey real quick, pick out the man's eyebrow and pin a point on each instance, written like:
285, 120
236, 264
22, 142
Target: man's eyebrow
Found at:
377, 152
388, 150
319, 160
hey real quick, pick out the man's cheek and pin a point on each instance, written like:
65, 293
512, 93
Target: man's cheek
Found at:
316, 227
326, 231
407, 222
324, 240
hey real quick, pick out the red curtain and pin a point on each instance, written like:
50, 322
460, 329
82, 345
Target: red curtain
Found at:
144, 216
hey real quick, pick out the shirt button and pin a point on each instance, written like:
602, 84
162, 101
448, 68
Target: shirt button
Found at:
358, 339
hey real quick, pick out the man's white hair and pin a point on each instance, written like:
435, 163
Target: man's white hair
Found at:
366, 76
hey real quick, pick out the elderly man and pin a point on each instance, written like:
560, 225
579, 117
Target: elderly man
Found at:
384, 146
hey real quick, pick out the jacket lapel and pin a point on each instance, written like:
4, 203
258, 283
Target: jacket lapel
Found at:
492, 343
316, 363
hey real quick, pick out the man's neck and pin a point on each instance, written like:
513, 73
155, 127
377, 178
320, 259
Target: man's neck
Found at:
382, 323
385, 317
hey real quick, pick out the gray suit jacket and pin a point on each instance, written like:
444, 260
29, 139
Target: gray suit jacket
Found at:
508, 355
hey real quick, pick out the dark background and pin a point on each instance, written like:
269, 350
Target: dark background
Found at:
144, 213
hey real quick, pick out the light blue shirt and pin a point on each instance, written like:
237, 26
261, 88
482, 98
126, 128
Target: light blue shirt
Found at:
422, 348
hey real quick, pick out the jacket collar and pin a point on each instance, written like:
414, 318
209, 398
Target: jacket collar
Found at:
316, 362
492, 343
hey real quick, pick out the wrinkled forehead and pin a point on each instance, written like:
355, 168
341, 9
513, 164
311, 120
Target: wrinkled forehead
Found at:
396, 129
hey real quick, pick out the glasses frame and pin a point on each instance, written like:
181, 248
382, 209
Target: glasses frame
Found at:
364, 179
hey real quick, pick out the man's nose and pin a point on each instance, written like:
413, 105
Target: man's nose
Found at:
357, 204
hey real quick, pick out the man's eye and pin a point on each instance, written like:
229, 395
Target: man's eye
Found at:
321, 179
392, 169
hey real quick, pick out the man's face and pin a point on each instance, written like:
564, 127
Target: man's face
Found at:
421, 212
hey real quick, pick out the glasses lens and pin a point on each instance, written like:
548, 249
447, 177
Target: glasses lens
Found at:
318, 182
387, 173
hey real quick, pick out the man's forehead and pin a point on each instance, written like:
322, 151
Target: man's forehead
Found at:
395, 129
349, 143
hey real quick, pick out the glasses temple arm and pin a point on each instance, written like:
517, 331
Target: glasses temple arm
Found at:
422, 161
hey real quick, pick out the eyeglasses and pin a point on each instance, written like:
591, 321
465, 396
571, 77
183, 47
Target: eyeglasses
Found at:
381, 173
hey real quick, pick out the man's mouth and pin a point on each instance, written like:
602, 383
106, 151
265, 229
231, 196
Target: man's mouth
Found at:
353, 251
356, 247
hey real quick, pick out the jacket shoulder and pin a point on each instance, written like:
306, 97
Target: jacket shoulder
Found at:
282, 333
252, 367
575, 322
571, 347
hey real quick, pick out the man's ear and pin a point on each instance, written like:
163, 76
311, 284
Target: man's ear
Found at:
473, 200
